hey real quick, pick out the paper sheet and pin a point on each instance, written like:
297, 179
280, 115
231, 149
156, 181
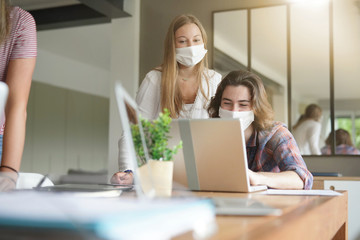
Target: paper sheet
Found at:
302, 192
108, 218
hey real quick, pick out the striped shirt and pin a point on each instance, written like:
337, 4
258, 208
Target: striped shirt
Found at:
275, 150
21, 43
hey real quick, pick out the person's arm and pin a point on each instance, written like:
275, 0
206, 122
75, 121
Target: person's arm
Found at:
288, 157
18, 79
314, 138
282, 180
283, 155
148, 95
122, 177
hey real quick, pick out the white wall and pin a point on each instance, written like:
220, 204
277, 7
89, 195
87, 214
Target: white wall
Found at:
76, 58
87, 59
124, 68
65, 72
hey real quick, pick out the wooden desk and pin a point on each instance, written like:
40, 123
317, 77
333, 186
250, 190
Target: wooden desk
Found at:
304, 217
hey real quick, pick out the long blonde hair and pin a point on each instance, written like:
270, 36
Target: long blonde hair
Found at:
4, 20
264, 115
312, 111
171, 97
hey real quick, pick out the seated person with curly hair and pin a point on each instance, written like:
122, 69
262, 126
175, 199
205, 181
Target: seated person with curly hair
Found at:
343, 142
273, 156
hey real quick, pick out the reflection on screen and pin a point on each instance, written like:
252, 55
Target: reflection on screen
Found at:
138, 137
137, 134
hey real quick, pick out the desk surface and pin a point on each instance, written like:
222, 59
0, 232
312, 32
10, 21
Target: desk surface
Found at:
318, 178
304, 217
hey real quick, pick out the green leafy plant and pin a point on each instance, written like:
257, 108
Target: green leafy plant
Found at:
156, 136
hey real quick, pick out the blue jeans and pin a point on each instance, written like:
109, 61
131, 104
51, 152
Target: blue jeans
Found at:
1, 140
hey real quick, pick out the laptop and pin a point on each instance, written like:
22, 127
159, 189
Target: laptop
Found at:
3, 97
129, 114
214, 155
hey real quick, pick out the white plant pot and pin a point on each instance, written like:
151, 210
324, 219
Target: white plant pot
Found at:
157, 175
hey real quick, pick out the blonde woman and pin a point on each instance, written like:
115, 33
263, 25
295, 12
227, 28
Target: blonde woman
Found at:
273, 156
307, 130
182, 83
17, 62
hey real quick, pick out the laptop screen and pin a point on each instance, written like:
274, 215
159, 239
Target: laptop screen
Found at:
133, 135
214, 155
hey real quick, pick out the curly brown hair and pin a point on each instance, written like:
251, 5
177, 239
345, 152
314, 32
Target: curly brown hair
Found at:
341, 137
260, 105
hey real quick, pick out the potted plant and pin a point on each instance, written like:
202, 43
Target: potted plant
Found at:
158, 172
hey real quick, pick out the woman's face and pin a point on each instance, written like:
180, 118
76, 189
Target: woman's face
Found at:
236, 99
188, 35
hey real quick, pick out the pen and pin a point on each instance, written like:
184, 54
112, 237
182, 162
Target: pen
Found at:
126, 173
41, 181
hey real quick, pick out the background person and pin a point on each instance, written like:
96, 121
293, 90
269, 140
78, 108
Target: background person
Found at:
18, 50
307, 130
182, 83
273, 156
343, 142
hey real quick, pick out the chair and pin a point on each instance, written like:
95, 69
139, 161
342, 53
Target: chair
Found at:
31, 180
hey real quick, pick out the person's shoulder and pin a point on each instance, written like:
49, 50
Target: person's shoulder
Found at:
312, 122
22, 15
213, 76
276, 130
153, 76
22, 21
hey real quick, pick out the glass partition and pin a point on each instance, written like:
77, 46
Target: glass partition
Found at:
268, 55
230, 44
346, 74
308, 54
310, 74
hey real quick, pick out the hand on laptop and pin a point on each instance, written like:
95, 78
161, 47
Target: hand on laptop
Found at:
122, 178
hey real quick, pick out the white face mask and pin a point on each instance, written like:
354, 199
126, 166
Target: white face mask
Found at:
190, 56
246, 117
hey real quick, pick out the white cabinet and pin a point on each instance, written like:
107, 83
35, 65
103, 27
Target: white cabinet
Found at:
353, 188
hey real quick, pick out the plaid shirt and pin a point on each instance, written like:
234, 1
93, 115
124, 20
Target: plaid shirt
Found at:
275, 150
341, 149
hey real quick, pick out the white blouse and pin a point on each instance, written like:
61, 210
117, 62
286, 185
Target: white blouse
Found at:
148, 96
307, 136
148, 100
